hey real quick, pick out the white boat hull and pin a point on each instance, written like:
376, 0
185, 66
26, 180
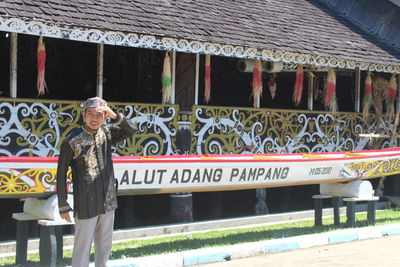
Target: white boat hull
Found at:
21, 177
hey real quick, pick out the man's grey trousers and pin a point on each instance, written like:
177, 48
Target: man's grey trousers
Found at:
99, 229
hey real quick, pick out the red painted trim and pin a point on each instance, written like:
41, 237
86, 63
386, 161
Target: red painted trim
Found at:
203, 158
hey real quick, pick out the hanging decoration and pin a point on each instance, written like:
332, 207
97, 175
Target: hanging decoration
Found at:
330, 92
257, 82
391, 94
207, 79
272, 85
41, 67
166, 80
367, 101
298, 87
379, 88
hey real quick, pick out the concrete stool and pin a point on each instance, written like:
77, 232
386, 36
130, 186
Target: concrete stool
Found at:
350, 211
22, 235
51, 242
318, 199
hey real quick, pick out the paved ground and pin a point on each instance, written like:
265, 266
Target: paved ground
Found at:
382, 251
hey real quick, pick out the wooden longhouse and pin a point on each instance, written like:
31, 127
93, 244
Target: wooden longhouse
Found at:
115, 49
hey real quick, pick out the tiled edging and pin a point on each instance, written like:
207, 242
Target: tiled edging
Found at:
207, 255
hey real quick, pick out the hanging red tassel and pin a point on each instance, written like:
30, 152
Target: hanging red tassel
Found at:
330, 93
367, 101
272, 85
298, 88
391, 96
392, 87
257, 82
207, 79
41, 65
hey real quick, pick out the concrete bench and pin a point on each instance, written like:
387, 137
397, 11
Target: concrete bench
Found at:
350, 210
50, 243
318, 203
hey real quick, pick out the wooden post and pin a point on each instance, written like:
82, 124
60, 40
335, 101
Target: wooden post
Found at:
310, 91
181, 204
196, 83
13, 64
357, 91
100, 70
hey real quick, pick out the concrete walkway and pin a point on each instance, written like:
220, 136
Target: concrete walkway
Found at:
369, 252
231, 253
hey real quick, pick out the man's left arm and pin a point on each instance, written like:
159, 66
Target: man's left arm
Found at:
121, 128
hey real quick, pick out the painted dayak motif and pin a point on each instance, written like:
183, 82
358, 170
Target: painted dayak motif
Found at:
29, 128
36, 130
374, 168
29, 181
232, 131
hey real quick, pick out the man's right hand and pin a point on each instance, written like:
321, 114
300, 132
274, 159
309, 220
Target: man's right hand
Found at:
65, 216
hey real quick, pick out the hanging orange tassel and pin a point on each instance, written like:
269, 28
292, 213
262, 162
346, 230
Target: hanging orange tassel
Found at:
330, 93
272, 85
166, 80
257, 82
298, 88
41, 65
207, 79
367, 101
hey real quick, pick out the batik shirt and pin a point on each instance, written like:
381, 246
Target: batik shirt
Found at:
89, 156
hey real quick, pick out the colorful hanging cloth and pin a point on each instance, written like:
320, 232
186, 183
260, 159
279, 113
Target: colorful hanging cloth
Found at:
272, 85
257, 82
41, 66
330, 93
207, 79
298, 87
166, 80
367, 101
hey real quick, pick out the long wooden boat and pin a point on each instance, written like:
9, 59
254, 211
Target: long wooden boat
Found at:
36, 176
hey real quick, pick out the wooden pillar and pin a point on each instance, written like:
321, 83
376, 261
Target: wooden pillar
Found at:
310, 91
184, 67
196, 84
357, 91
13, 64
100, 70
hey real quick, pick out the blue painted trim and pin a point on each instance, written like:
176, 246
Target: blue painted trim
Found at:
125, 265
212, 257
282, 247
391, 231
333, 239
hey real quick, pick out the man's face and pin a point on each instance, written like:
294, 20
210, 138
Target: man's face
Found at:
94, 118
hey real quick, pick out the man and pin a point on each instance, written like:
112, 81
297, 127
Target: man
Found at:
87, 150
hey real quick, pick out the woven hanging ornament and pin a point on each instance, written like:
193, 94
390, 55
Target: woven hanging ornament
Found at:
298, 87
41, 67
272, 85
330, 93
166, 80
207, 79
391, 96
257, 82
367, 101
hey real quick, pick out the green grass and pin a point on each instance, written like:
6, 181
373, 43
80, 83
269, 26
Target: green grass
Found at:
183, 242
